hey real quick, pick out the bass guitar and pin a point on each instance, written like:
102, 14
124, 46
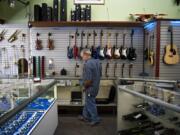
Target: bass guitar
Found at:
124, 49
82, 44
75, 48
116, 50
151, 52
70, 48
50, 45
171, 56
100, 49
132, 51
93, 48
108, 47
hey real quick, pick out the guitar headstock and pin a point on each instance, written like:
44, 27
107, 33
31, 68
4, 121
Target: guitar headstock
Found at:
82, 34
77, 33
101, 33
170, 28
94, 33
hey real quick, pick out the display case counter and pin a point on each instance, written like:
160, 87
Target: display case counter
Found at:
145, 108
34, 114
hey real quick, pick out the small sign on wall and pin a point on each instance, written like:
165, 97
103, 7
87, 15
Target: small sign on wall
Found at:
95, 2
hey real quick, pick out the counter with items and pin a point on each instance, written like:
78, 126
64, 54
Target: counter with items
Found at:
145, 107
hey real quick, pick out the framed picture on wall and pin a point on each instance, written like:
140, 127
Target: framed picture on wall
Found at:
95, 2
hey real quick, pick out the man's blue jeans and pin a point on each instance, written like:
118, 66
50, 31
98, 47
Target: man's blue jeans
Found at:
90, 109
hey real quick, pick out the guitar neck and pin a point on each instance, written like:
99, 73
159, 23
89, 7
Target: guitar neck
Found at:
172, 38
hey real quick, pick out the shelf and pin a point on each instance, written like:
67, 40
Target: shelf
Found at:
87, 24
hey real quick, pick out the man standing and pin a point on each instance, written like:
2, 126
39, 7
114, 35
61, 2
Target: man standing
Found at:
91, 80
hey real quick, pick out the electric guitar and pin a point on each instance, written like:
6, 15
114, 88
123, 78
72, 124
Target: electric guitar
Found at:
130, 70
108, 47
70, 48
132, 51
171, 56
116, 50
93, 48
50, 45
2, 34
38, 42
151, 52
88, 36
75, 48
106, 72
100, 49
124, 49
115, 68
82, 44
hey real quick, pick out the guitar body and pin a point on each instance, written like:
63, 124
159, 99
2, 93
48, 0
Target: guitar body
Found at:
151, 58
70, 52
39, 45
94, 52
171, 56
108, 53
50, 44
75, 52
98, 51
123, 53
132, 54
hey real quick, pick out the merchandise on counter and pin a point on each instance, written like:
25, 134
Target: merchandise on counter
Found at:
76, 97
63, 10
135, 116
156, 110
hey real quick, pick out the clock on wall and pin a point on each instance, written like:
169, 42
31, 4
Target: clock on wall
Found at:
96, 2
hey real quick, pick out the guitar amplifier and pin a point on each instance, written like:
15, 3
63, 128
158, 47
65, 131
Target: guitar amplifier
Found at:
83, 14
55, 10
88, 13
37, 13
73, 15
44, 11
49, 14
78, 12
63, 10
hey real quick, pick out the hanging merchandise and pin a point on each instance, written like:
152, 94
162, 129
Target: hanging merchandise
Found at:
70, 48
93, 48
75, 47
124, 48
101, 49
14, 36
116, 50
2, 34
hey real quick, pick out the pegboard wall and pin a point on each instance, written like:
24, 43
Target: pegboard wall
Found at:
13, 54
61, 42
169, 71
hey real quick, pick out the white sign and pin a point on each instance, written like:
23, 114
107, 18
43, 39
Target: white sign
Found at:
89, 1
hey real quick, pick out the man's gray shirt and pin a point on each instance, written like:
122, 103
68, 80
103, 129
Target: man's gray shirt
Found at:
92, 71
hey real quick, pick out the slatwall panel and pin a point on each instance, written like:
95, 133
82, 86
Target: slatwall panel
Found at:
61, 41
169, 71
11, 28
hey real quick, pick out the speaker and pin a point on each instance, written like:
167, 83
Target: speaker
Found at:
49, 14
88, 13
44, 11
55, 10
73, 15
78, 12
83, 14
37, 13
63, 10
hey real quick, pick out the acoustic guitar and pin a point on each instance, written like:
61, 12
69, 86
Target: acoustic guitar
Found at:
75, 48
70, 48
132, 51
171, 56
101, 49
116, 50
124, 49
93, 48
108, 47
151, 52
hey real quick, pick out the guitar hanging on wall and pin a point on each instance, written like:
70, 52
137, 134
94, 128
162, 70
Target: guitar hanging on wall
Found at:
70, 48
50, 45
171, 56
151, 52
108, 47
93, 48
132, 51
38, 42
124, 49
2, 34
116, 50
75, 48
100, 49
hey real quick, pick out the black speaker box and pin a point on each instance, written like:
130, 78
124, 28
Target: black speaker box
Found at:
44, 11
73, 15
37, 13
55, 10
78, 12
88, 13
49, 13
63, 10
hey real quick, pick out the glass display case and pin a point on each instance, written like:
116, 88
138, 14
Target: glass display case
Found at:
25, 105
149, 107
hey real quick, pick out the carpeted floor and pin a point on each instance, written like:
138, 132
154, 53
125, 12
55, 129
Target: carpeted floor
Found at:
72, 126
